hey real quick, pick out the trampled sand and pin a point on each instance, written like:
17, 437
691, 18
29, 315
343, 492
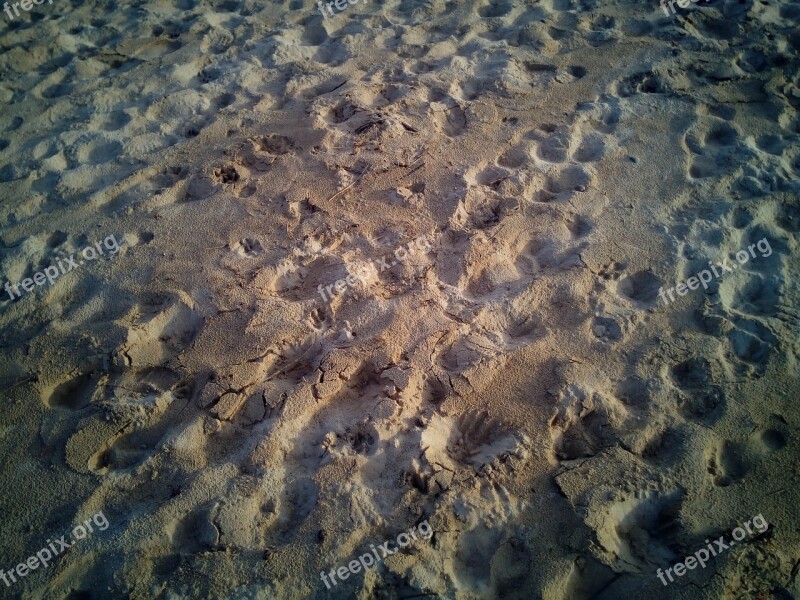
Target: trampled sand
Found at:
518, 382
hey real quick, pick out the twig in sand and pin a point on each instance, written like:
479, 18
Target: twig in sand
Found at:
27, 380
349, 186
417, 168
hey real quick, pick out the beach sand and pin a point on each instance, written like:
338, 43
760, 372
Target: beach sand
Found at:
517, 378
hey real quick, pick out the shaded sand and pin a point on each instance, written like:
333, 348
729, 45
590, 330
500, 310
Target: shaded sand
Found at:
520, 384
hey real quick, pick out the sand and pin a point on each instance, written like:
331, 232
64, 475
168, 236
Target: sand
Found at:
518, 382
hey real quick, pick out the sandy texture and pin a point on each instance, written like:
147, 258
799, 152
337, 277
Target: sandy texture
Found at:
517, 382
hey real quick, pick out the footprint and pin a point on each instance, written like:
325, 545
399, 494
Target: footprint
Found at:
226, 174
276, 145
473, 556
123, 451
144, 403
564, 183
216, 42
320, 319
751, 343
465, 353
587, 578
314, 34
473, 443
133, 406
602, 116
514, 158
362, 438
543, 254
576, 72
555, 147
591, 148
156, 340
637, 27
714, 147
486, 211
343, 111
195, 533
295, 361
640, 531
741, 217
771, 144
640, 288
607, 330
57, 239
582, 435
495, 8
721, 135
224, 100
199, 187
434, 391
92, 150
699, 399
578, 440
167, 178
789, 218
296, 503
729, 463
691, 374
611, 271
451, 121
579, 226
756, 295
704, 405
646, 83
477, 439
248, 247
75, 394
583, 423
771, 440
